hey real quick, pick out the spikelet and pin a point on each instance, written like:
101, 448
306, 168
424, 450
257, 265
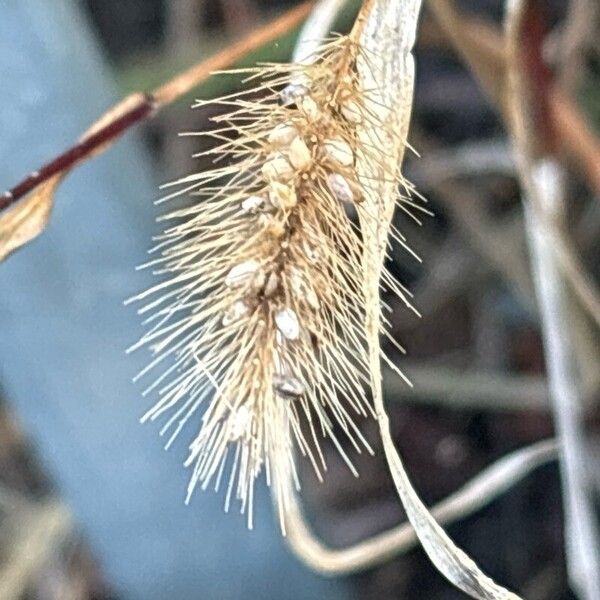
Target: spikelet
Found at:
262, 316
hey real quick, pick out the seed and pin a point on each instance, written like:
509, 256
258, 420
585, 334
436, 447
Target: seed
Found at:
282, 135
310, 108
282, 196
240, 420
339, 151
278, 169
303, 291
276, 228
312, 299
288, 387
235, 313
258, 281
299, 154
271, 225
252, 204
292, 93
351, 111
287, 323
271, 285
241, 273
340, 188
310, 251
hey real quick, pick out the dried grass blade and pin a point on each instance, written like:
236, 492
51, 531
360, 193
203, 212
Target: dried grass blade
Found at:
388, 38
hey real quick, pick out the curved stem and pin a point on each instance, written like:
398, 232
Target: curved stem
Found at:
474, 495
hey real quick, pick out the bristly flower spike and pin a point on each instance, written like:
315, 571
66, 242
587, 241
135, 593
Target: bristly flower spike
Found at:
262, 315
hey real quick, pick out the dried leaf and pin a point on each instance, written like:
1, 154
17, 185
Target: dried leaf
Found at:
388, 38
27, 219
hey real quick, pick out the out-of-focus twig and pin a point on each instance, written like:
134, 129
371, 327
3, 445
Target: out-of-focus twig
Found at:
472, 389
575, 132
579, 31
487, 239
181, 28
239, 14
316, 28
41, 529
480, 45
541, 176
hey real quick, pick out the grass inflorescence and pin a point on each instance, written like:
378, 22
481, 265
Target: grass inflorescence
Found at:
262, 314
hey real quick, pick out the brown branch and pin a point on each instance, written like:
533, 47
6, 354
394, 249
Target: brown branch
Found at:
537, 79
576, 136
147, 104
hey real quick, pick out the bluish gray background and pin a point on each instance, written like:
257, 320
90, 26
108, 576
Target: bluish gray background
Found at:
63, 331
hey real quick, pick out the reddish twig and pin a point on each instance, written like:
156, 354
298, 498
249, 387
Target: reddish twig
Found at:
79, 151
538, 77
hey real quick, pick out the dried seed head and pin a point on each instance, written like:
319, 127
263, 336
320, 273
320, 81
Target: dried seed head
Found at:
340, 188
281, 292
288, 387
287, 323
299, 154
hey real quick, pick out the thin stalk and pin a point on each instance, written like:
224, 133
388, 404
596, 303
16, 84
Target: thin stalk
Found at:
541, 177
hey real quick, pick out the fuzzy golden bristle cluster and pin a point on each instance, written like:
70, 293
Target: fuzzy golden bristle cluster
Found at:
262, 315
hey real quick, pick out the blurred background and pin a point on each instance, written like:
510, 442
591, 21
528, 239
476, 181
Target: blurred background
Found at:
90, 505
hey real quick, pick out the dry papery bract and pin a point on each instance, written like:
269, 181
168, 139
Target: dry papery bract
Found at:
261, 314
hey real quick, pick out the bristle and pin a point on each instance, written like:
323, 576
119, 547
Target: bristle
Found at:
265, 301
